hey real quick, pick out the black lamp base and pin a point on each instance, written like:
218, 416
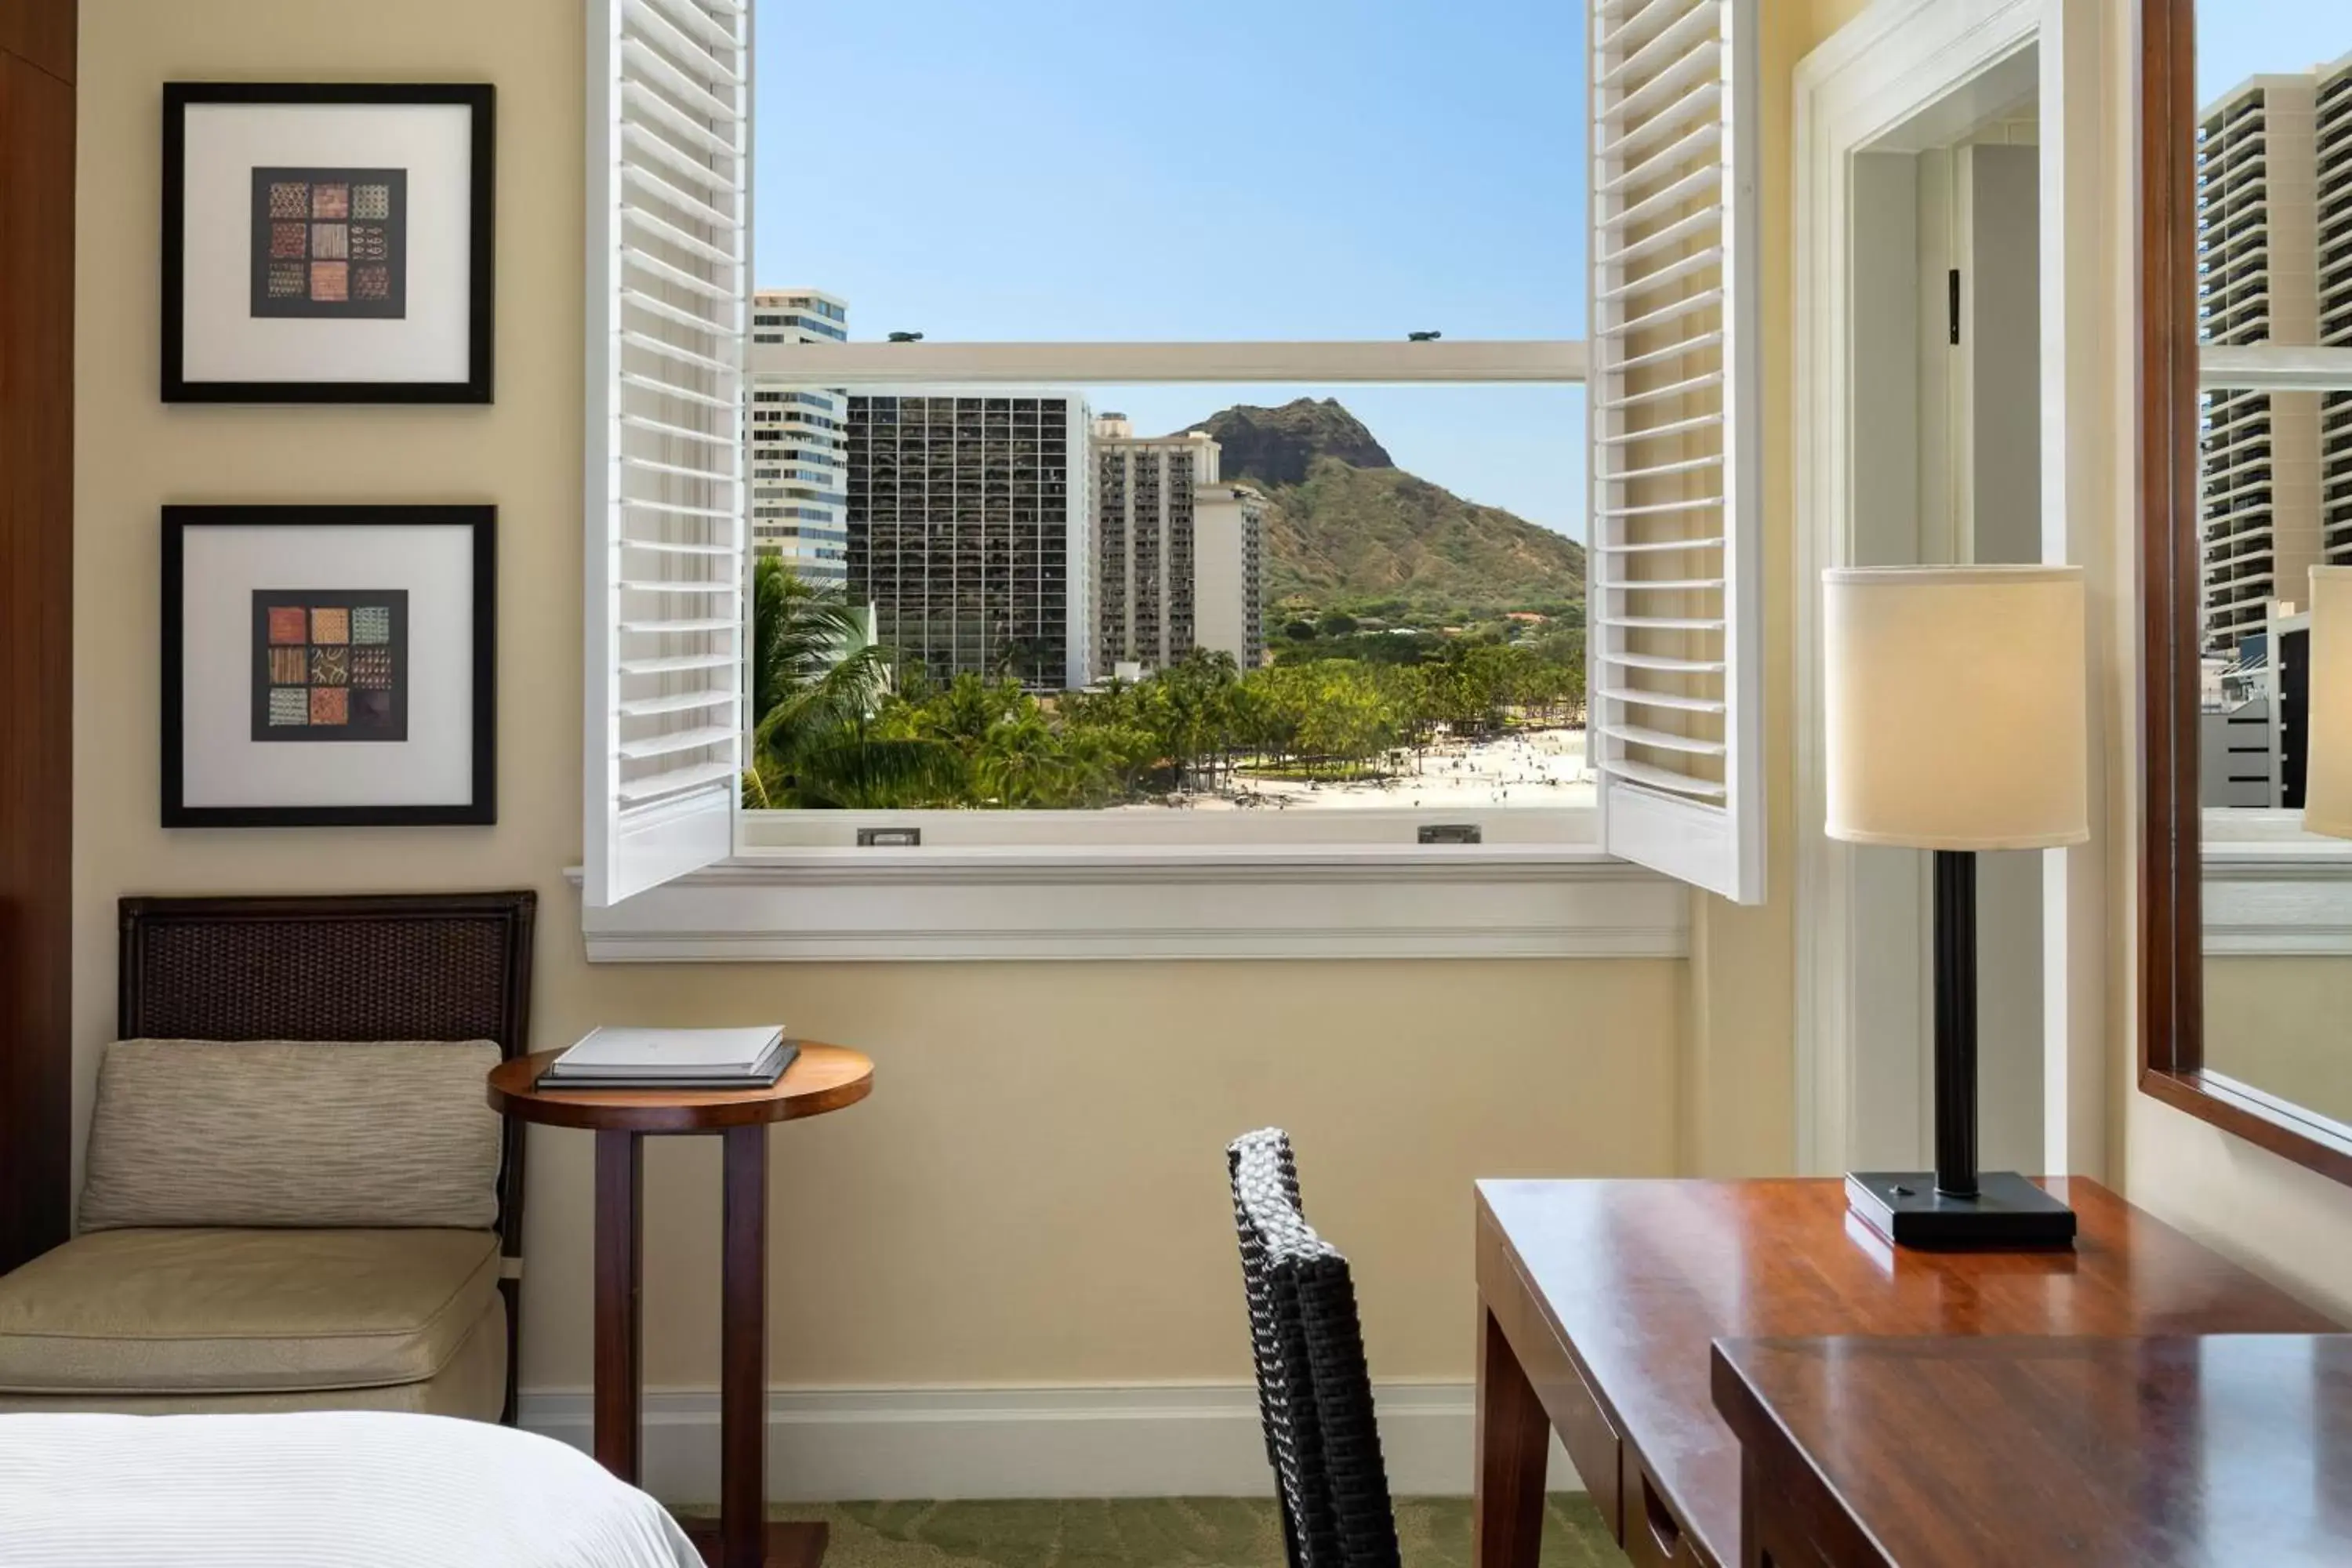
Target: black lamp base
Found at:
2008, 1211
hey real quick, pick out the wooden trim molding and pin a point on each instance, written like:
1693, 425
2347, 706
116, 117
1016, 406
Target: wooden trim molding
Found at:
37, 312
2172, 935
2171, 946
2272, 1124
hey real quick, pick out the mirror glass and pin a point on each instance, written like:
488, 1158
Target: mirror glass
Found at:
2273, 166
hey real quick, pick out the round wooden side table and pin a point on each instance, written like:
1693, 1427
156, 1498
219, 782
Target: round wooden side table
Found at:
821, 1078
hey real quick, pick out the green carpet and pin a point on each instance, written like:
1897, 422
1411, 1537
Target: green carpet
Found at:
1157, 1533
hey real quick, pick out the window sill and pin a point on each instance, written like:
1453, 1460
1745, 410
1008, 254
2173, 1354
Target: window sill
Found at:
2273, 891
1030, 904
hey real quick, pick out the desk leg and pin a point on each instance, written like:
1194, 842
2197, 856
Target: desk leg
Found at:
1514, 1441
620, 1284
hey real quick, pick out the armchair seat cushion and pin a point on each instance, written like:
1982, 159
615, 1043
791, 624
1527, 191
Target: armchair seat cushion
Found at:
243, 1311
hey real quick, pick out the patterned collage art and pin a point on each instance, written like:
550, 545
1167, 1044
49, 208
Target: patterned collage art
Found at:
330, 243
329, 665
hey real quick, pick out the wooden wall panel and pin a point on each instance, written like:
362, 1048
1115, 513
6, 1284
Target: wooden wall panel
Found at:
36, 522
41, 34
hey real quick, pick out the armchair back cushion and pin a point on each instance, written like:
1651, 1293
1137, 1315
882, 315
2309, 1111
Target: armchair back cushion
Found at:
293, 1133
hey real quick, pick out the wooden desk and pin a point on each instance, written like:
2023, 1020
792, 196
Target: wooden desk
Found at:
1602, 1299
821, 1078
2100, 1453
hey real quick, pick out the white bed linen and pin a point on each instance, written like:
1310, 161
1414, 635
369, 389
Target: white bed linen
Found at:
330, 1489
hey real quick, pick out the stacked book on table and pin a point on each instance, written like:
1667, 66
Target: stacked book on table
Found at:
674, 1058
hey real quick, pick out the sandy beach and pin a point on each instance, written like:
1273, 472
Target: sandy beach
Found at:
1529, 767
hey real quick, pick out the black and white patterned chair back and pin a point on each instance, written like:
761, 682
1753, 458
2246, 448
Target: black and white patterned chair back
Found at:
1315, 1391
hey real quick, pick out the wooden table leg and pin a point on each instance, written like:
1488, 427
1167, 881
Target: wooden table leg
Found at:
1514, 1442
744, 1538
620, 1284
743, 1353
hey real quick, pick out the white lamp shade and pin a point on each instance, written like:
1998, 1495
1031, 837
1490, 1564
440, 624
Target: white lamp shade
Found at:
2327, 730
1957, 706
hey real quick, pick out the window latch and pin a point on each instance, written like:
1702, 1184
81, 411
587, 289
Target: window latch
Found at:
890, 837
1450, 833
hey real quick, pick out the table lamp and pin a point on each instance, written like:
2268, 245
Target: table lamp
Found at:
1956, 721
2328, 713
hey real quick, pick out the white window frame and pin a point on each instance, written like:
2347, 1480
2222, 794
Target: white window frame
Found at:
961, 368
1034, 885
1091, 885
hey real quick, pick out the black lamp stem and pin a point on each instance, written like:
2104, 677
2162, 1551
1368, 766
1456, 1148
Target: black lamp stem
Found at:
1956, 1022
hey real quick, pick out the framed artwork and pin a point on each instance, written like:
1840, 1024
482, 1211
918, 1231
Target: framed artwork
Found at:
328, 243
329, 666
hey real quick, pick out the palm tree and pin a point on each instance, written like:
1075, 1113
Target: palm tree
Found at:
816, 685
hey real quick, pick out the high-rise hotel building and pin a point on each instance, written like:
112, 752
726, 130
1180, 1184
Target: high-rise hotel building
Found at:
1179, 554
799, 440
1229, 572
971, 529
2274, 242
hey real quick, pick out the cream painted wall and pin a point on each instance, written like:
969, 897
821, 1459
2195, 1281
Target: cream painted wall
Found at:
1032, 1194
1035, 1193
1738, 1106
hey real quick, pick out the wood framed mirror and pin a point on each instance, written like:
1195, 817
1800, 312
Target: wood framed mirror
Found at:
2245, 389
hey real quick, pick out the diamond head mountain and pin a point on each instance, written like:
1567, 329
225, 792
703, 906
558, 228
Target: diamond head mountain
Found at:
1345, 525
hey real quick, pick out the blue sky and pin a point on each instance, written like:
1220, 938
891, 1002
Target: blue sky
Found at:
2239, 38
1240, 169
1043, 169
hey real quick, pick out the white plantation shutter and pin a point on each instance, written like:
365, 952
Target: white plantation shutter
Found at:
1674, 617
669, 282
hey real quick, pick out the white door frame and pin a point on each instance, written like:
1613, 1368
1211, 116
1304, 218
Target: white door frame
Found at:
1897, 60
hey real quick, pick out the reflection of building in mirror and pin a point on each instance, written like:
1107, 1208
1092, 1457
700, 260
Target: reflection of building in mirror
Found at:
2275, 239
2256, 708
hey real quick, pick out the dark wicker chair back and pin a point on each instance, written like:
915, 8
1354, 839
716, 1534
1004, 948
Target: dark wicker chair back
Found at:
404, 966
1315, 1391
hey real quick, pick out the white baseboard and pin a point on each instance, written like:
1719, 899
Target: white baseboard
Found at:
1150, 1440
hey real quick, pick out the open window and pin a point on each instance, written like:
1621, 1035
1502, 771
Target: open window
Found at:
924, 548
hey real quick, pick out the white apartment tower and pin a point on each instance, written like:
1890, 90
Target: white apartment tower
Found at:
1145, 490
1179, 554
971, 527
1229, 572
799, 440
2274, 242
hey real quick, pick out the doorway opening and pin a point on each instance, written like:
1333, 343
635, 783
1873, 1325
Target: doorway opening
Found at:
1946, 236
1947, 159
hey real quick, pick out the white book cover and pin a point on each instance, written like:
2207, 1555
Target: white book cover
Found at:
683, 1051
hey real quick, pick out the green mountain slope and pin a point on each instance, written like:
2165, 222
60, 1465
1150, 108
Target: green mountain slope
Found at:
1345, 524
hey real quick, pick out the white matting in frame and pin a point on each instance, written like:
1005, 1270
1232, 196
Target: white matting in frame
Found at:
329, 666
327, 250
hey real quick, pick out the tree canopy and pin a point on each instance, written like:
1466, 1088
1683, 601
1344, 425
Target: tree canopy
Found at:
841, 725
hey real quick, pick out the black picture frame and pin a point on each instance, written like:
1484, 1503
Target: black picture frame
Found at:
480, 98
479, 810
